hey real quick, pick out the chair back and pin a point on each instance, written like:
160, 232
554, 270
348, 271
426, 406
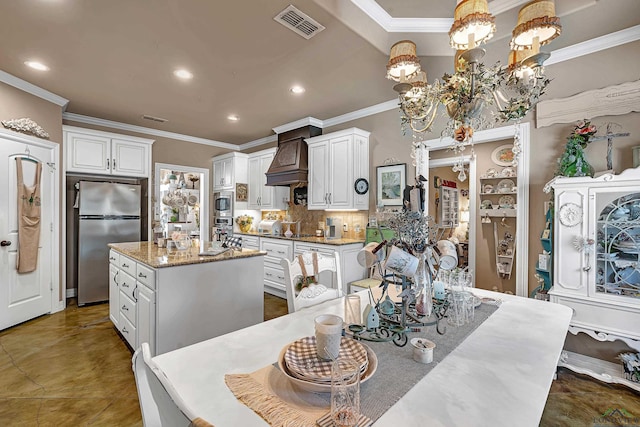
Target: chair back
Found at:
160, 404
315, 293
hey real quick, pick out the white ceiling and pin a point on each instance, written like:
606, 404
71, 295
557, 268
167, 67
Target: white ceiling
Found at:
114, 59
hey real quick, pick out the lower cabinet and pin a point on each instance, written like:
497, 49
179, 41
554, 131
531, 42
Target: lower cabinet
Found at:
146, 316
276, 249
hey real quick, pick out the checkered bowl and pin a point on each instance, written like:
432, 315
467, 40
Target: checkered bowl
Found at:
315, 387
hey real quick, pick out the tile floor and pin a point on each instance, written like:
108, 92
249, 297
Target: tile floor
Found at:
71, 368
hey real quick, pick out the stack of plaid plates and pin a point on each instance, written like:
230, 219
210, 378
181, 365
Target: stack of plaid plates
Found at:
302, 361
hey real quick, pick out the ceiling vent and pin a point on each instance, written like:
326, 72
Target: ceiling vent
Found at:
155, 119
299, 22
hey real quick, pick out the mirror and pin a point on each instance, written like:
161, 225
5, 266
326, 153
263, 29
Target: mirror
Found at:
493, 245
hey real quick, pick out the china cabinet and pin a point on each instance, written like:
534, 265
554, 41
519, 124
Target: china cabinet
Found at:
261, 196
228, 170
105, 153
336, 161
596, 255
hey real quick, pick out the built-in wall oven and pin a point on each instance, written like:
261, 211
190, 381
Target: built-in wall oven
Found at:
223, 204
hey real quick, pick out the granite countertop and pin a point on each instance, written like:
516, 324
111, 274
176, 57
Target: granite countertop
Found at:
150, 254
306, 239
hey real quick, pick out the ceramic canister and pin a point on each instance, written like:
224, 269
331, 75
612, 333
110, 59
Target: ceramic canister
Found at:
422, 350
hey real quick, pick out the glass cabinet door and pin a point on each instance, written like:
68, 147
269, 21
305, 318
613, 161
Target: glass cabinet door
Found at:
617, 244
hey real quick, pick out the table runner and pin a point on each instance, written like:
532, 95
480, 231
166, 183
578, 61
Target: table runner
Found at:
270, 394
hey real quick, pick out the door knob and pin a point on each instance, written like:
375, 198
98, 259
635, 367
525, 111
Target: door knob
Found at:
5, 243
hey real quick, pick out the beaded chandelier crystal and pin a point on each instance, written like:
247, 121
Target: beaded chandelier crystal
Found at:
475, 96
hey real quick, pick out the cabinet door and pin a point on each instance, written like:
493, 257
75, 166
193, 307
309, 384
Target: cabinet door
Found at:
228, 178
341, 173
146, 319
255, 183
571, 278
129, 158
88, 153
114, 295
218, 173
318, 176
266, 202
360, 170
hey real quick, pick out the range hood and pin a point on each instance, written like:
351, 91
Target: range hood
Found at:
290, 163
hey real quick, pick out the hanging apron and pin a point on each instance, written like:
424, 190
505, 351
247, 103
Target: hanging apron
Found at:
28, 220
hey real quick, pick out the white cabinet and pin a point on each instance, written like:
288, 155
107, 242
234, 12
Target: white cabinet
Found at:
114, 295
104, 153
228, 170
251, 242
276, 250
336, 161
260, 195
146, 316
449, 207
597, 260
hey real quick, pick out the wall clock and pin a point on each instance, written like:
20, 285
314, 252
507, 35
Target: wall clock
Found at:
570, 214
361, 186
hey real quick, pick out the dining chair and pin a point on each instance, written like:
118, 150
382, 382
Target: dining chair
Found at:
160, 403
317, 292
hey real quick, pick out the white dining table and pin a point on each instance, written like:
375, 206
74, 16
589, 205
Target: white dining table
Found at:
499, 375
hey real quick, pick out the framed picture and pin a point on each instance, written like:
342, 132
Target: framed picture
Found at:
242, 192
391, 180
503, 156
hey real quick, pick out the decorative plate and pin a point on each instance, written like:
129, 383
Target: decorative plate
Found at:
503, 156
490, 173
570, 214
505, 186
507, 173
487, 188
506, 202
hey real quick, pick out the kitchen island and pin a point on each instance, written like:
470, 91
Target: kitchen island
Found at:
173, 299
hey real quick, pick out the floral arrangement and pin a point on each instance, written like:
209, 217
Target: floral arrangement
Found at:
244, 221
573, 161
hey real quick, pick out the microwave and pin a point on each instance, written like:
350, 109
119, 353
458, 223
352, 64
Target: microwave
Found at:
223, 203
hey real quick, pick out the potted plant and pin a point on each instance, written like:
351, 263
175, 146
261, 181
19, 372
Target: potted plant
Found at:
244, 222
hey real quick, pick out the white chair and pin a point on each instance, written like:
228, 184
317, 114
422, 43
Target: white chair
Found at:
316, 292
160, 404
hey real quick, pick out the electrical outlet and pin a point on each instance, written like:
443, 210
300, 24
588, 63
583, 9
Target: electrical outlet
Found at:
345, 227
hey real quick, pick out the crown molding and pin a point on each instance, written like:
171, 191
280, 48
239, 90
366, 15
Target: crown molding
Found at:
144, 130
256, 143
363, 112
607, 41
25, 86
306, 121
422, 25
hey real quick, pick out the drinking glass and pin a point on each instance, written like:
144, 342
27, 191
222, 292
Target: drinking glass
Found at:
345, 392
328, 336
352, 312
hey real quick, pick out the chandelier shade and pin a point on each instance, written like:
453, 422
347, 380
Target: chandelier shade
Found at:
403, 61
472, 25
537, 26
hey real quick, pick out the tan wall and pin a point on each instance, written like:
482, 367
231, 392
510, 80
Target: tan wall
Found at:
16, 104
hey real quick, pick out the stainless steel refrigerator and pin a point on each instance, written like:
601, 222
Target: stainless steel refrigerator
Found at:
108, 213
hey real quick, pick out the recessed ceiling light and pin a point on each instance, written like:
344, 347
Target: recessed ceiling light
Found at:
36, 65
183, 74
297, 89
233, 118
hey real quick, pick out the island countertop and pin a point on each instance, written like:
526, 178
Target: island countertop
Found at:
306, 239
150, 254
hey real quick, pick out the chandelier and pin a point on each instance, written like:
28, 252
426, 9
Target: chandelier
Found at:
474, 89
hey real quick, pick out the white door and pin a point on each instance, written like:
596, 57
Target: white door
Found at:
341, 173
255, 183
318, 176
266, 200
88, 153
25, 296
129, 158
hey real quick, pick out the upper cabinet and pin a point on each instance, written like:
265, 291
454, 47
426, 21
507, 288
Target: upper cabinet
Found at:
105, 153
260, 195
228, 170
336, 161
